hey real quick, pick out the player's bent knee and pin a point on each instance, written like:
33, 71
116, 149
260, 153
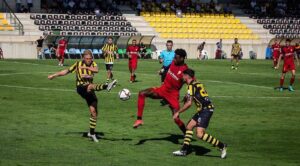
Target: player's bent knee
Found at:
200, 134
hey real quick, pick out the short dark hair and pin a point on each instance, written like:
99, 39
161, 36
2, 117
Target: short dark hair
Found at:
134, 40
181, 52
189, 72
169, 41
110, 37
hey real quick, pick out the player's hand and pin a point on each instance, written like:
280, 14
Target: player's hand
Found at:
50, 77
176, 115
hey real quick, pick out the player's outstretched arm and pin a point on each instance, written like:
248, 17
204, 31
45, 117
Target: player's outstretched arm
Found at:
58, 74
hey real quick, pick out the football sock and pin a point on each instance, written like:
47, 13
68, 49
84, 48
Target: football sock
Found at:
107, 80
275, 62
180, 124
92, 126
141, 105
99, 87
210, 139
281, 82
187, 139
292, 80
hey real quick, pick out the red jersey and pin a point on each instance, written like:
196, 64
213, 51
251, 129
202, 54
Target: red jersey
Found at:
276, 49
62, 44
173, 80
288, 53
133, 51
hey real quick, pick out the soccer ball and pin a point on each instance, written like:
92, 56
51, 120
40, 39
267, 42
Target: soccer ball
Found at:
124, 94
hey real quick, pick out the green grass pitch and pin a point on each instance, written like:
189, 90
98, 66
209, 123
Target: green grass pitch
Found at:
42, 121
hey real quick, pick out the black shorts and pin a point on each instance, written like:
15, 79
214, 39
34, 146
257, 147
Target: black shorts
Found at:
90, 97
202, 118
109, 66
235, 56
164, 74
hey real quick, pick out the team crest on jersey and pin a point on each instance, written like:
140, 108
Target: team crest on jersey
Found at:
179, 72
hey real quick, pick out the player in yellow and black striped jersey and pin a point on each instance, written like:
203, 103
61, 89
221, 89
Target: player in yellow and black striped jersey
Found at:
200, 120
85, 71
235, 54
109, 49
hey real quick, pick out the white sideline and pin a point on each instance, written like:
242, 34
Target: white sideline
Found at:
134, 93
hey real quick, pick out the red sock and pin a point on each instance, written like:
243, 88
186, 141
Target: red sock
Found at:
141, 105
131, 78
281, 82
180, 124
275, 62
292, 80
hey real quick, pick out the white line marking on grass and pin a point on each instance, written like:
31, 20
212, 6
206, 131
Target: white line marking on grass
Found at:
134, 93
11, 74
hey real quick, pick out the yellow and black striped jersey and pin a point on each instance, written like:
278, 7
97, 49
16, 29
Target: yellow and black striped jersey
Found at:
196, 91
236, 48
83, 76
109, 58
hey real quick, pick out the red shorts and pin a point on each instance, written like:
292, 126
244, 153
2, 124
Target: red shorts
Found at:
288, 67
275, 56
61, 52
132, 64
171, 96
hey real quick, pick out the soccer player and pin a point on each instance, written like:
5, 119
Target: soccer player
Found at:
133, 54
200, 49
39, 46
166, 57
219, 50
109, 49
297, 49
288, 52
197, 94
169, 90
1, 53
85, 71
276, 53
60, 52
235, 54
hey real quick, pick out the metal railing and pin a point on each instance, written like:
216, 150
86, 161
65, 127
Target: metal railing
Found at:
13, 19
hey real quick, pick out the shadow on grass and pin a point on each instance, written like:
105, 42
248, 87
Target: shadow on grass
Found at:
174, 138
99, 135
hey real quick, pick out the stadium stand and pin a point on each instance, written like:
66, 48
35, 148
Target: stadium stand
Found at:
4, 23
203, 26
84, 25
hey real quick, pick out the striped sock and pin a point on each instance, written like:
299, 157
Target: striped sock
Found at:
92, 126
99, 87
187, 139
210, 139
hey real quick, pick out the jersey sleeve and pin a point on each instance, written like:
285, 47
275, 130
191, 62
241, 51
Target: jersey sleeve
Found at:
104, 48
115, 48
161, 56
73, 67
94, 64
190, 90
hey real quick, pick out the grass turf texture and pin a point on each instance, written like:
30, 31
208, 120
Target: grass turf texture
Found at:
42, 121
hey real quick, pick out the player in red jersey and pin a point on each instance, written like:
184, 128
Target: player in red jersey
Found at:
276, 53
133, 54
60, 52
169, 90
288, 52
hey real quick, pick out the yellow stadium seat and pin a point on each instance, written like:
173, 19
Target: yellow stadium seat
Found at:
4, 22
1, 16
1, 28
9, 28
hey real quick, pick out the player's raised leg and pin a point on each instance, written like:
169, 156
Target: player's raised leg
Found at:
141, 104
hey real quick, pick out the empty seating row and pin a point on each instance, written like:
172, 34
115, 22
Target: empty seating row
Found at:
285, 31
82, 23
76, 17
192, 20
203, 30
281, 26
94, 33
279, 21
207, 36
195, 25
4, 24
86, 28
186, 15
